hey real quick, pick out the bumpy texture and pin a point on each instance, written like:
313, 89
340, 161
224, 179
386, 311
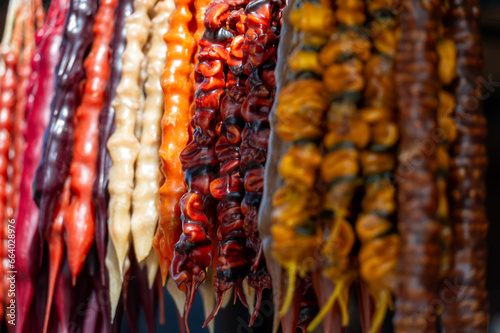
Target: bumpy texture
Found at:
259, 48
123, 145
469, 312
375, 228
417, 86
193, 253
8, 84
300, 112
447, 72
343, 58
23, 74
175, 135
100, 193
232, 265
147, 174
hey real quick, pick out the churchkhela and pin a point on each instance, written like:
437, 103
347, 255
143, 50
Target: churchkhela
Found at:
322, 150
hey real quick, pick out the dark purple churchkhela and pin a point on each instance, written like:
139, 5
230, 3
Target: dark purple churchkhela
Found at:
59, 136
106, 127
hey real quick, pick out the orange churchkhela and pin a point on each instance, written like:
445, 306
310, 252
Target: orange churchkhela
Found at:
79, 218
23, 73
178, 93
446, 133
341, 59
8, 84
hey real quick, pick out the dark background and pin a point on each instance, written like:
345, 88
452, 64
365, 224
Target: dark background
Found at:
232, 319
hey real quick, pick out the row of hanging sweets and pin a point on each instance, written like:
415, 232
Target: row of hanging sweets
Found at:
172, 142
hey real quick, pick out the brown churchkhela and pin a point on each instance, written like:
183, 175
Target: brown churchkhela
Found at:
417, 87
467, 169
232, 254
193, 253
447, 65
260, 47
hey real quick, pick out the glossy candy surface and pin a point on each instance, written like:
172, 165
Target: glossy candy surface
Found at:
194, 252
232, 264
59, 135
79, 220
147, 174
106, 126
175, 134
123, 146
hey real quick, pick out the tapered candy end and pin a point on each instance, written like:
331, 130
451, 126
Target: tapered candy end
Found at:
241, 296
191, 288
215, 311
81, 235
255, 313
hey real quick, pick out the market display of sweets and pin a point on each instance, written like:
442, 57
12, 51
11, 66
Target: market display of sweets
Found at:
234, 146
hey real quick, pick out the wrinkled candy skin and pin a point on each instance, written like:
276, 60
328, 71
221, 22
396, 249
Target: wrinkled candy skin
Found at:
59, 135
194, 252
233, 264
259, 47
106, 127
